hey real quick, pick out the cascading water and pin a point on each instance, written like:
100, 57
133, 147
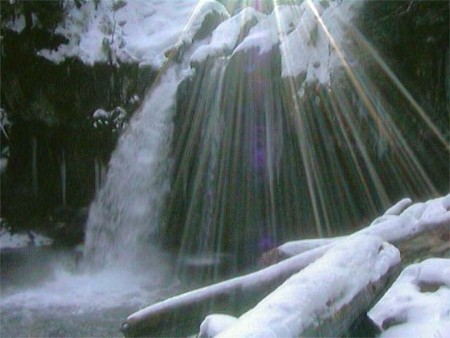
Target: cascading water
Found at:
213, 163
127, 210
209, 125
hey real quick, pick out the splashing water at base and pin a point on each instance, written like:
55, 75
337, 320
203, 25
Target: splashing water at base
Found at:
47, 297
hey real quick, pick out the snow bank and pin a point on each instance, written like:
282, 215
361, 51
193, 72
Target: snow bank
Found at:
320, 290
9, 240
418, 303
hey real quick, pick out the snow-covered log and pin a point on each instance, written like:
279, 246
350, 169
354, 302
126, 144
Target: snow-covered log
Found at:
415, 220
294, 248
418, 303
327, 296
185, 312
214, 324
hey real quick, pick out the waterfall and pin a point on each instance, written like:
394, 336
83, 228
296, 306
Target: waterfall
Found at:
212, 133
220, 179
99, 172
127, 209
126, 212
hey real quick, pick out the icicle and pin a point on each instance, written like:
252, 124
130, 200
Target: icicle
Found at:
63, 180
34, 173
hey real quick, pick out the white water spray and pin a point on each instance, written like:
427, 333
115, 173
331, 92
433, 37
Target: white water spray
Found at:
128, 207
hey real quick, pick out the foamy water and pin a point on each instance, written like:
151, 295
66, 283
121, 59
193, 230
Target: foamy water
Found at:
53, 299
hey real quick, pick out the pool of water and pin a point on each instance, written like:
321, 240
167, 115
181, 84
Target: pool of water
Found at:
44, 293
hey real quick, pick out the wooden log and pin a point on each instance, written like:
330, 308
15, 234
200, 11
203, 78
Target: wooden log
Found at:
325, 298
185, 312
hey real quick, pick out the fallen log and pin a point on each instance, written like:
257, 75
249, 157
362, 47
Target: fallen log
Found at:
184, 313
326, 297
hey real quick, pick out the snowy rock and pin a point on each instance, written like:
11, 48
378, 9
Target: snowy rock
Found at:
139, 31
310, 36
226, 35
19, 240
418, 303
315, 46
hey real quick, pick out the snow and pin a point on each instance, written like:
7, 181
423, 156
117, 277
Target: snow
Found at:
115, 118
17, 25
319, 290
198, 17
310, 48
418, 303
416, 218
140, 31
214, 324
266, 34
19, 240
297, 247
311, 36
399, 207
